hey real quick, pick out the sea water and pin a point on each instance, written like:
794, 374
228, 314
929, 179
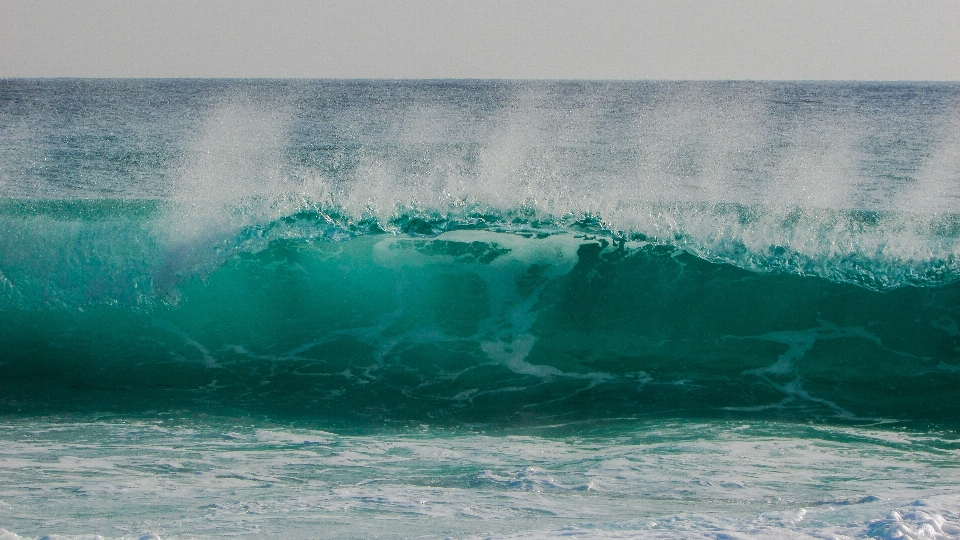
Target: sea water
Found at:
345, 309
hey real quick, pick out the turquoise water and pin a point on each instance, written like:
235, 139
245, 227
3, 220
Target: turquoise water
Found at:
399, 309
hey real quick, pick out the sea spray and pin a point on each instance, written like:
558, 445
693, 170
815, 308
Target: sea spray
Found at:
604, 309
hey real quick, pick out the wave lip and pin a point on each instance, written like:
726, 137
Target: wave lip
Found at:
105, 252
532, 252
487, 320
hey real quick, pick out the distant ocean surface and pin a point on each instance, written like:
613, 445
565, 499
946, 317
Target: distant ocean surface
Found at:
432, 309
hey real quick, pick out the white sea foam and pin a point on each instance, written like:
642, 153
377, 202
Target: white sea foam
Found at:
672, 480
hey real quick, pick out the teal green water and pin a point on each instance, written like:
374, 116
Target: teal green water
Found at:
483, 323
479, 309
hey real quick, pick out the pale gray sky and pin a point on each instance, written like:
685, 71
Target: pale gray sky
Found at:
560, 39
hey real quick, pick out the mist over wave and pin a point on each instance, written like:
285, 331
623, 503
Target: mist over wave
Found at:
544, 309
851, 182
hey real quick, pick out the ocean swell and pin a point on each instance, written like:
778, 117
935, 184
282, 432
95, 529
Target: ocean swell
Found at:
489, 317
481, 252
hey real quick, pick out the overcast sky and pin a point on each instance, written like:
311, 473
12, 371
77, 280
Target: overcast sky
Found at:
676, 39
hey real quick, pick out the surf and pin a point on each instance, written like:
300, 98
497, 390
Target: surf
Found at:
486, 321
479, 307
490, 251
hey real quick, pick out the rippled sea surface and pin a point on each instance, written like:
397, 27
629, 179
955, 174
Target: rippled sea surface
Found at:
345, 309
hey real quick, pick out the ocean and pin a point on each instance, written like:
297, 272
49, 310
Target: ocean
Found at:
479, 309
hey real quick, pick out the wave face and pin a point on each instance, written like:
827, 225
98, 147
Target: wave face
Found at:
488, 252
